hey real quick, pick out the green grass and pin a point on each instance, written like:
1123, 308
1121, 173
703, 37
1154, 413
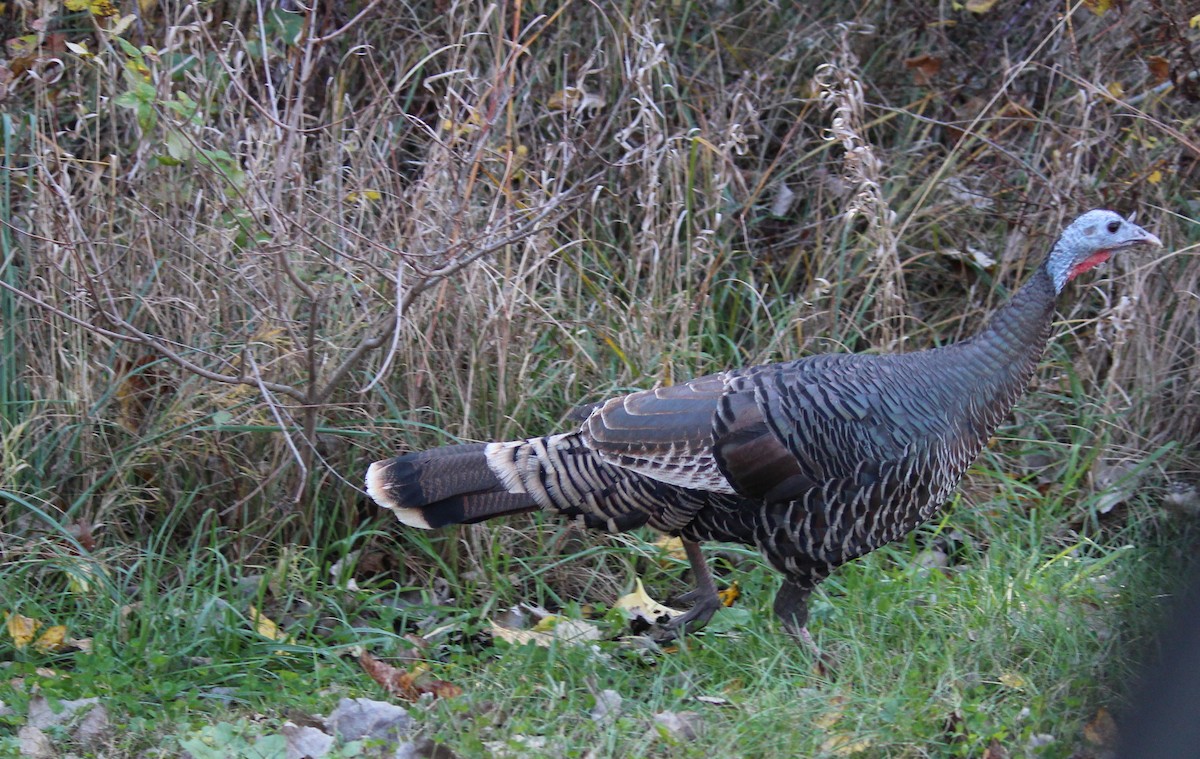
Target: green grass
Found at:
1027, 632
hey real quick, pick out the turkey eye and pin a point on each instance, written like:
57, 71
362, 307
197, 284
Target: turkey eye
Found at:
1113, 226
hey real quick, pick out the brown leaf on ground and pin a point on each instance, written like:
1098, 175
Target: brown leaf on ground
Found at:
995, 751
1160, 68
1102, 730
407, 686
924, 67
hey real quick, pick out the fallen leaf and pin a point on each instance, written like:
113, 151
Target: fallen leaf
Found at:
266, 627
1012, 680
21, 629
1160, 68
52, 639
1115, 89
924, 67
639, 605
672, 547
829, 718
549, 630
845, 745
1099, 7
980, 6
1102, 730
730, 594
1155, 177
995, 750
406, 685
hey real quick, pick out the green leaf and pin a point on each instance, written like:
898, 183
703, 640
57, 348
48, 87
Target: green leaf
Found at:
178, 147
128, 48
145, 91
146, 117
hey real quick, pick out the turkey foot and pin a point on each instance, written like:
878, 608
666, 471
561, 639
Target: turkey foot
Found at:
703, 597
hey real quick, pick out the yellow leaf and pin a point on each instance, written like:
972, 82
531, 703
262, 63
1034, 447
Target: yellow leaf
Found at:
103, 8
639, 605
828, 719
76, 5
730, 594
671, 546
547, 631
1155, 177
267, 628
1099, 7
844, 745
53, 639
980, 6
1012, 680
1116, 89
80, 576
365, 195
1194, 22
21, 629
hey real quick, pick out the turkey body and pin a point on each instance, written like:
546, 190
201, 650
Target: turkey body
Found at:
814, 462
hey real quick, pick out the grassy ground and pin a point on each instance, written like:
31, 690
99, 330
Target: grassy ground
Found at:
246, 253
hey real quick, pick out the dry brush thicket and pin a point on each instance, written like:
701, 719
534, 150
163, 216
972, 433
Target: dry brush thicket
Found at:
246, 251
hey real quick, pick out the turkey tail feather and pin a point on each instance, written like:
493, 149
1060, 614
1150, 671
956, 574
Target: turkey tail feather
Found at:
452, 485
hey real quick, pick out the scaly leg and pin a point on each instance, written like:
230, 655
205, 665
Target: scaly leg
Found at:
791, 606
704, 598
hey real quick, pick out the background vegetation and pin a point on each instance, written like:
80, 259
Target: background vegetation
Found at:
247, 249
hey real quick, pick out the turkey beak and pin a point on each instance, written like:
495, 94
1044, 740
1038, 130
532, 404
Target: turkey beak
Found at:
1144, 237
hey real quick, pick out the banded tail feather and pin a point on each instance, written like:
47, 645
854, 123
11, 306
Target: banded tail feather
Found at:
443, 486
814, 462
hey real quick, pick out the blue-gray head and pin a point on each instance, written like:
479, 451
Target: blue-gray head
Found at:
1089, 241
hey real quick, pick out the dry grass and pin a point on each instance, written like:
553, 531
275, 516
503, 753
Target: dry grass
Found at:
272, 247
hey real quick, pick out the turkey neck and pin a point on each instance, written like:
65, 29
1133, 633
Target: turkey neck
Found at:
1000, 360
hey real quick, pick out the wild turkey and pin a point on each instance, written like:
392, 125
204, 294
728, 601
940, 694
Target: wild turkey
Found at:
814, 462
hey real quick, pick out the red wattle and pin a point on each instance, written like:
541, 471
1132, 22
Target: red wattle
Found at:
1090, 262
